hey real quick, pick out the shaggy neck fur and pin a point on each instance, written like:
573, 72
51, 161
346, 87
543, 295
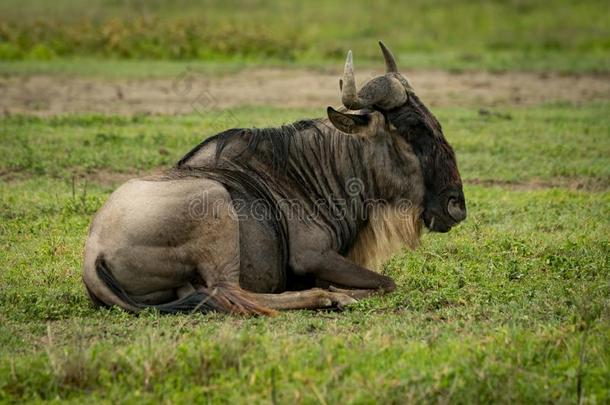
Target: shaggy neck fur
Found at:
388, 230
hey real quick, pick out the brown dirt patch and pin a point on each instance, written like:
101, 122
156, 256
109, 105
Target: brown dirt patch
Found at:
191, 91
109, 178
103, 178
582, 184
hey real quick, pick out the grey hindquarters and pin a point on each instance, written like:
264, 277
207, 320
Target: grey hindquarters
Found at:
155, 236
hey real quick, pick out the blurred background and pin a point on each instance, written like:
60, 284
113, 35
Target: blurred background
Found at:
462, 34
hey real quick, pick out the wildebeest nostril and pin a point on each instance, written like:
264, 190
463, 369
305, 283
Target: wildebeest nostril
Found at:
455, 210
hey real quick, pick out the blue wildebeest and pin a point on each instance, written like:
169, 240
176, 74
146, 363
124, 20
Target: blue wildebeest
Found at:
256, 220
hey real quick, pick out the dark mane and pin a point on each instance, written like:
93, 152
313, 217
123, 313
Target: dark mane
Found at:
279, 139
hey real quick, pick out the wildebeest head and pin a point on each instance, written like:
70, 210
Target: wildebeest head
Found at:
406, 116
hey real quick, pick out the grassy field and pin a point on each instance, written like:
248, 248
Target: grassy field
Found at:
529, 35
513, 305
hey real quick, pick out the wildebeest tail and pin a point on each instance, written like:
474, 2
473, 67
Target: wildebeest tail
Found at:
222, 298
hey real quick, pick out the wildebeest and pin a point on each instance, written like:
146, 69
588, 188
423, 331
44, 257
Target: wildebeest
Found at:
254, 220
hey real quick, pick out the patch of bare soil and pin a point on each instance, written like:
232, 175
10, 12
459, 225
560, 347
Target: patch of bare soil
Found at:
192, 92
103, 178
584, 184
108, 178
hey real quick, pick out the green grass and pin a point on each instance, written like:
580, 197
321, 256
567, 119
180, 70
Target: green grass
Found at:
511, 306
501, 308
551, 142
534, 35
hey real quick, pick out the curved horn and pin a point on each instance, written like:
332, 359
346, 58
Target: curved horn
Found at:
390, 62
349, 93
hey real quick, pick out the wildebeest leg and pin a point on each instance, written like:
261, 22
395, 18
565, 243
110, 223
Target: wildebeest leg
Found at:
307, 299
356, 293
336, 269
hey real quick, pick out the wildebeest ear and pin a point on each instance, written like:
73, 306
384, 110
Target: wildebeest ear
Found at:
348, 123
